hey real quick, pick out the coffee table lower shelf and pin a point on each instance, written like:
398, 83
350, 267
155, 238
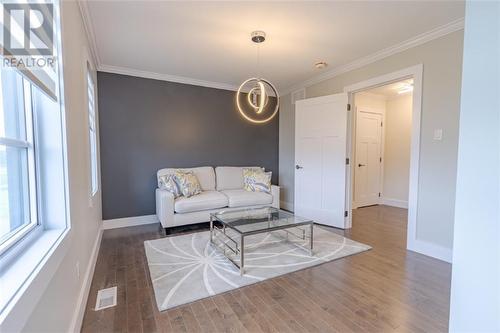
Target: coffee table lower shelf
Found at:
228, 243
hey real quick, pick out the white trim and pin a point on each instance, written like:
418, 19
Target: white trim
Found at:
286, 205
298, 95
423, 38
431, 250
100, 66
384, 53
89, 30
15, 315
129, 221
76, 322
394, 202
166, 77
416, 72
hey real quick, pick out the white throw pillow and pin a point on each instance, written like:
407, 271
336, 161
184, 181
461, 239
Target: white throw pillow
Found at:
168, 183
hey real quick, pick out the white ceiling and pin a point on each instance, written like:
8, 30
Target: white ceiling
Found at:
210, 41
390, 91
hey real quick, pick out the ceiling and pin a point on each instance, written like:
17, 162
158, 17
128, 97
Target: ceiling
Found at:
390, 91
210, 41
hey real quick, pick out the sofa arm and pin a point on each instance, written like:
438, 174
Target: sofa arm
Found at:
275, 192
165, 207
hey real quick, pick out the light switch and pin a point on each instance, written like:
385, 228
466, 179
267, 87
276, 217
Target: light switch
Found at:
438, 134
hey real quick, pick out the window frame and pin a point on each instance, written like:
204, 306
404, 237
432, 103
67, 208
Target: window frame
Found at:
92, 131
27, 268
30, 146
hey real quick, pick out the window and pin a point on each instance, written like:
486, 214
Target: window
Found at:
92, 133
34, 200
18, 209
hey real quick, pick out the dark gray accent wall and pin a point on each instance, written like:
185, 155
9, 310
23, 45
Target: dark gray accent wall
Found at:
146, 125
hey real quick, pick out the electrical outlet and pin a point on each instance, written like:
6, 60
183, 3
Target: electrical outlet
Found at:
77, 270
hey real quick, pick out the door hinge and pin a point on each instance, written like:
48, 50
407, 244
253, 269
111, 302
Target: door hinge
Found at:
381, 160
347, 161
348, 107
345, 213
379, 194
381, 124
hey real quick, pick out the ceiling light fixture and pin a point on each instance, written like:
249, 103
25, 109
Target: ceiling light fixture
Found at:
404, 87
262, 101
320, 64
405, 90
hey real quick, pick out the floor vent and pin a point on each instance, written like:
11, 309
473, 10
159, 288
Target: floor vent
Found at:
106, 298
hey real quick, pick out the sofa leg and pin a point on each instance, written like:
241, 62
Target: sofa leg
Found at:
167, 231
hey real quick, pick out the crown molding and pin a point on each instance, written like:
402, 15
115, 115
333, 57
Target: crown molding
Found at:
384, 53
89, 30
165, 77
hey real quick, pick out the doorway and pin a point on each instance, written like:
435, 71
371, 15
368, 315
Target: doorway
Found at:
415, 73
382, 134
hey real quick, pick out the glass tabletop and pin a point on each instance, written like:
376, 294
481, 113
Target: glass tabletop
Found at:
258, 219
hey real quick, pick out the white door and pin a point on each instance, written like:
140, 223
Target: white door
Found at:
368, 160
320, 159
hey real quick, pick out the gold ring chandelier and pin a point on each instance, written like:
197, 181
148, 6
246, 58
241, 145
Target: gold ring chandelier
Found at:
257, 99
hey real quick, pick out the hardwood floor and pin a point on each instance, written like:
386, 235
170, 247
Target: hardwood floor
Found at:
383, 290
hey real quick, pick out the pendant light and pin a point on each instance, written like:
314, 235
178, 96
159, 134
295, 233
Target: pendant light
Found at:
257, 99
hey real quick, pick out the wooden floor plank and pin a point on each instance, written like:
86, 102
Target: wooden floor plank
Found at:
387, 289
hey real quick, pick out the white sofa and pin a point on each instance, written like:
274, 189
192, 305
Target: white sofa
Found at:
222, 190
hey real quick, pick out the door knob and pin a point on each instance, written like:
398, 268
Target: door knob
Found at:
298, 167
360, 165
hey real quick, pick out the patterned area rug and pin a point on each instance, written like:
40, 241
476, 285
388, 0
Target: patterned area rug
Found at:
187, 268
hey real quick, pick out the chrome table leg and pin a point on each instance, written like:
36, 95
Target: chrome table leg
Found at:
242, 255
211, 228
311, 240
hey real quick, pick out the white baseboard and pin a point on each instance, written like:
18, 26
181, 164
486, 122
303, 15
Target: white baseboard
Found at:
394, 202
286, 205
129, 221
76, 322
431, 250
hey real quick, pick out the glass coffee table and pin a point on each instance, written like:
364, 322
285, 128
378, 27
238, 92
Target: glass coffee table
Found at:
247, 222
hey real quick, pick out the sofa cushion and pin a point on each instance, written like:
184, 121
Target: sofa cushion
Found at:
240, 198
203, 201
230, 178
205, 175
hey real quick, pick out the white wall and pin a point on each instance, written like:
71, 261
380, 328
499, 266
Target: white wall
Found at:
442, 61
475, 286
56, 308
396, 159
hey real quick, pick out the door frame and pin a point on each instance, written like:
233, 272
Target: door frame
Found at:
381, 112
415, 72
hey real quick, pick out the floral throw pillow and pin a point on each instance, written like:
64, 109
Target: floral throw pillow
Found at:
168, 183
256, 180
188, 183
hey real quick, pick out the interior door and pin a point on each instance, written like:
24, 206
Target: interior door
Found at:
367, 175
320, 159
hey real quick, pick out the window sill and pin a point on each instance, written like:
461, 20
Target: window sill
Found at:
37, 263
